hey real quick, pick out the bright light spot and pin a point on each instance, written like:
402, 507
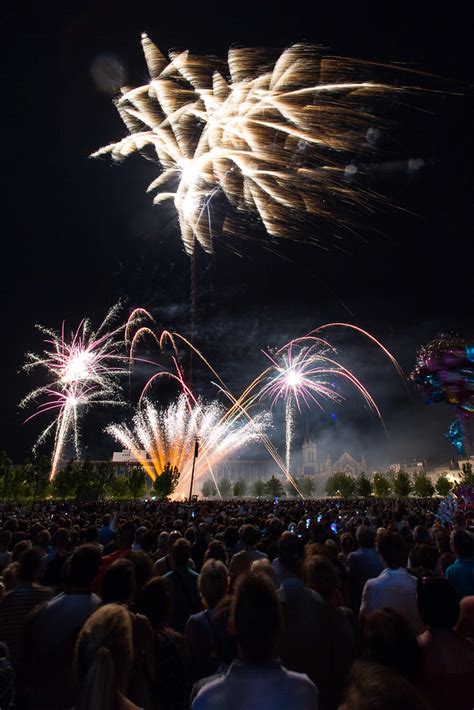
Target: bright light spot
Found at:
189, 170
78, 368
294, 379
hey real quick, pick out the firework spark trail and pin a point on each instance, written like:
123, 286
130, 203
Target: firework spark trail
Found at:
272, 136
168, 435
84, 370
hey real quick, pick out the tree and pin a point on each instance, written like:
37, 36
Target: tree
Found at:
443, 486
65, 481
273, 487
37, 476
239, 489
340, 484
381, 485
85, 485
165, 484
104, 476
225, 487
136, 482
209, 488
307, 487
363, 486
258, 489
402, 486
290, 488
422, 485
119, 488
467, 478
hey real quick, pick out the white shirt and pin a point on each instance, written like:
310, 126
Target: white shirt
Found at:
262, 687
393, 589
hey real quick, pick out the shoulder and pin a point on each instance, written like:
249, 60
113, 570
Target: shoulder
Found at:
301, 683
211, 695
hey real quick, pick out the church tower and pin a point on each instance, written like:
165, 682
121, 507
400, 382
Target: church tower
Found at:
310, 458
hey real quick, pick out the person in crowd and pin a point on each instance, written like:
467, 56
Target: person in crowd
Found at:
162, 546
125, 538
216, 551
377, 687
103, 660
203, 629
107, 532
347, 546
119, 587
183, 585
316, 639
242, 560
52, 633
257, 680
363, 564
54, 562
388, 639
461, 573
394, 588
171, 680
17, 604
264, 566
447, 657
270, 543
143, 567
198, 549
7, 680
165, 564
465, 625
423, 559
5, 554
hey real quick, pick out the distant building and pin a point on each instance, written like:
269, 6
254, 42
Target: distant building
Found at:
344, 464
124, 460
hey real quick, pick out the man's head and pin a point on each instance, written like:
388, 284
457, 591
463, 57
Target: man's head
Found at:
256, 618
126, 536
391, 549
462, 543
30, 566
290, 554
180, 552
213, 582
365, 536
84, 566
61, 539
250, 535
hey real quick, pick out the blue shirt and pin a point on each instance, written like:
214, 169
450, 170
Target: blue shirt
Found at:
461, 576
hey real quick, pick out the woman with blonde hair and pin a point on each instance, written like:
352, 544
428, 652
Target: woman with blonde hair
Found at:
104, 655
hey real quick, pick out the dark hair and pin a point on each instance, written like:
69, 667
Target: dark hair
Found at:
84, 566
216, 551
155, 602
61, 538
213, 582
321, 575
462, 543
424, 556
250, 535
391, 549
180, 552
143, 566
92, 534
256, 617
365, 536
437, 603
372, 687
290, 552
118, 584
387, 638
126, 534
30, 565
347, 542
231, 536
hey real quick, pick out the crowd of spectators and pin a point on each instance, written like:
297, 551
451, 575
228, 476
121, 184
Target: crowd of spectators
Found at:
357, 605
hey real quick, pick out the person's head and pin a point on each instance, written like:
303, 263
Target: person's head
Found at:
162, 541
10, 576
445, 561
118, 584
126, 536
83, 567
264, 566
421, 535
43, 539
5, 539
462, 543
180, 552
256, 618
424, 556
231, 536
365, 536
91, 534
373, 687
388, 639
331, 550
391, 549
275, 528
106, 520
155, 602
172, 537
347, 543
290, 554
465, 625
437, 603
143, 568
30, 566
250, 535
61, 539
103, 658
213, 583
216, 551
321, 575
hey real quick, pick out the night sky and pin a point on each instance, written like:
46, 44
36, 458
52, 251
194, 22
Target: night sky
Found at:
79, 234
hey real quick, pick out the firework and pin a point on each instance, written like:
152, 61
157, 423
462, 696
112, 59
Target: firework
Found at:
84, 370
264, 135
158, 436
305, 372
